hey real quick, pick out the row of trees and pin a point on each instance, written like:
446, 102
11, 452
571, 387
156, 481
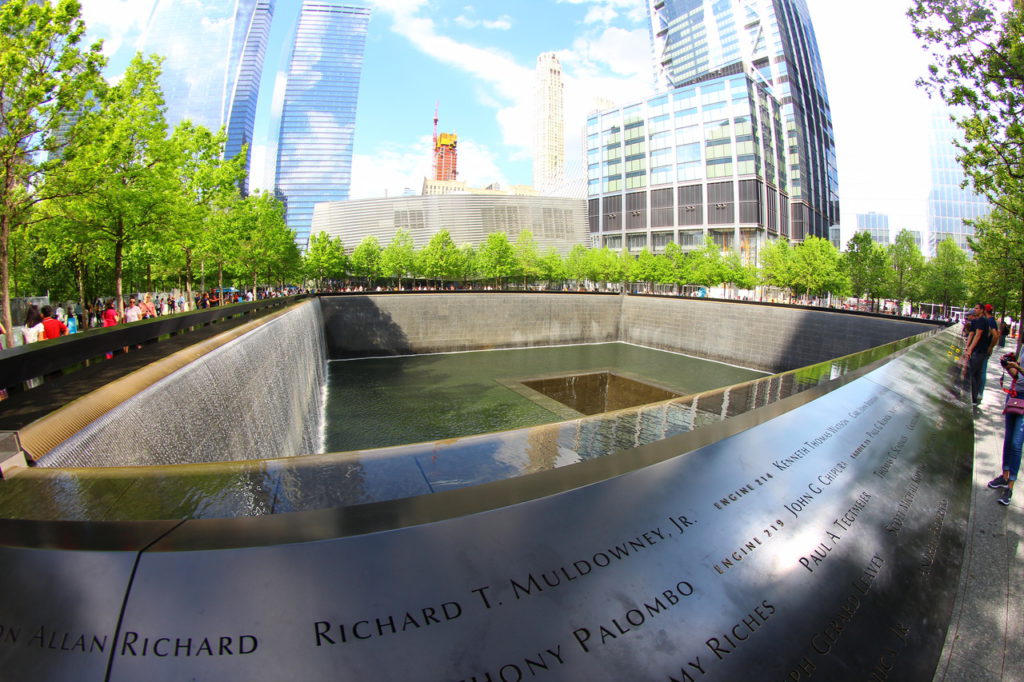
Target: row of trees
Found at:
814, 267
95, 188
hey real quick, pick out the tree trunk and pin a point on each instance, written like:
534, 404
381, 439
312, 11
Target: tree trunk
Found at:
220, 281
5, 282
188, 276
80, 280
118, 265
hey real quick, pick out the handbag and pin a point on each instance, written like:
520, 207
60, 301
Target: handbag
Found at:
1013, 405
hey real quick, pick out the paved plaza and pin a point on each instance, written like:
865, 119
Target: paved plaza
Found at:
987, 627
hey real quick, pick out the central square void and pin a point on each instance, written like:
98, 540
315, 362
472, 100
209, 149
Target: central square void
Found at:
597, 392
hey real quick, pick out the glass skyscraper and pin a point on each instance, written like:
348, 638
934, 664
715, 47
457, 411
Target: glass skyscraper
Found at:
318, 115
949, 205
772, 40
213, 59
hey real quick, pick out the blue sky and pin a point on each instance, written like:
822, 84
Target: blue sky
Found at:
476, 60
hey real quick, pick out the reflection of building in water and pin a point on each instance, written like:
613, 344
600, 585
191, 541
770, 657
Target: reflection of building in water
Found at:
949, 205
554, 221
318, 115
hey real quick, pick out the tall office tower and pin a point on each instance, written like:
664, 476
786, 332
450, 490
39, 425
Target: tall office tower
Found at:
549, 126
318, 115
773, 40
949, 205
876, 225
446, 154
213, 60
245, 68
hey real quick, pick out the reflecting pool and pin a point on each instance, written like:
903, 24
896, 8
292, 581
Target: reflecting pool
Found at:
379, 402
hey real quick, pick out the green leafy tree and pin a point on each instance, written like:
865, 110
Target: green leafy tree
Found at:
906, 267
205, 182
706, 265
866, 267
399, 257
552, 267
118, 184
978, 69
777, 264
440, 260
816, 268
646, 268
527, 257
999, 259
266, 246
676, 266
576, 267
325, 258
497, 258
366, 260
736, 273
945, 279
45, 82
468, 263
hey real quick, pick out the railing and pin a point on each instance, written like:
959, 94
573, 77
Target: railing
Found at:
22, 363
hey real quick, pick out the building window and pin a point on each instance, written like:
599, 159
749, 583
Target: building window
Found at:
721, 205
613, 242
594, 214
611, 209
637, 242
636, 211
659, 240
662, 208
691, 205
691, 238
750, 201
636, 179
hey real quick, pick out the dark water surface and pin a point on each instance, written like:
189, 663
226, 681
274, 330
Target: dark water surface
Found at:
390, 401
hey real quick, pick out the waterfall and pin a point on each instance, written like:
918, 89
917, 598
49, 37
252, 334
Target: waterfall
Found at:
257, 396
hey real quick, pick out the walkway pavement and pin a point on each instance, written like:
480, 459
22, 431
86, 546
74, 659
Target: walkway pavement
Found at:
985, 640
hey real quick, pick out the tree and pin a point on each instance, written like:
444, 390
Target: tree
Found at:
366, 259
906, 267
676, 267
736, 273
45, 81
999, 259
866, 266
399, 256
325, 258
552, 267
978, 70
497, 258
706, 266
815, 268
266, 245
440, 260
527, 257
576, 263
945, 279
118, 181
646, 268
777, 264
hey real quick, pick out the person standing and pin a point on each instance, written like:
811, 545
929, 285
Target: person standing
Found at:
33, 329
147, 307
52, 327
133, 313
1013, 434
975, 352
993, 331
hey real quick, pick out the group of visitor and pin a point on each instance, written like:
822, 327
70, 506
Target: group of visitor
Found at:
982, 334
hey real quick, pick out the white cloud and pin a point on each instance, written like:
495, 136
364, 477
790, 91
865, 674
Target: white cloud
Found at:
502, 23
118, 22
392, 169
607, 11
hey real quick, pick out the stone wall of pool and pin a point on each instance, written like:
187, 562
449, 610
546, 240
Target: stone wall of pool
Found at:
767, 338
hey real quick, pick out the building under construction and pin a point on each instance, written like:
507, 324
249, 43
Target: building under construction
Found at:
445, 154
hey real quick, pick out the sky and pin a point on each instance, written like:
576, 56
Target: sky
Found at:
475, 61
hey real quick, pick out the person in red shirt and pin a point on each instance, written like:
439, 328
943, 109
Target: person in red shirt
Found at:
52, 327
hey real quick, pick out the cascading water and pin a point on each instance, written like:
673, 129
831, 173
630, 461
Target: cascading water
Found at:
258, 396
